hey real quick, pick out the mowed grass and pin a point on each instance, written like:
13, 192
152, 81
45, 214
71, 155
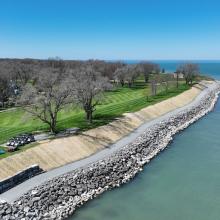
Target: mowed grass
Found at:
114, 104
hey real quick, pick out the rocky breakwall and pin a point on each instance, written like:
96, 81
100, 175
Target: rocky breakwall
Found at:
58, 198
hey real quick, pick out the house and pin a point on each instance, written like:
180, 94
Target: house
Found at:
180, 75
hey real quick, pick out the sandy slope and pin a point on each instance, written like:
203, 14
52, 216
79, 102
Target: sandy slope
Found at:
57, 152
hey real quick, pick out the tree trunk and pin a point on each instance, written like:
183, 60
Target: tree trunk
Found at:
89, 116
177, 80
152, 88
146, 78
167, 87
53, 126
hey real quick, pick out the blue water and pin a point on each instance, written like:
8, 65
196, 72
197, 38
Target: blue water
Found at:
211, 68
182, 183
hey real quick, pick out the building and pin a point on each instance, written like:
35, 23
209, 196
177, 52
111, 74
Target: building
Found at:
180, 75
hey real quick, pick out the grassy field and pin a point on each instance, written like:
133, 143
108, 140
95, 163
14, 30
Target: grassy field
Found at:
114, 104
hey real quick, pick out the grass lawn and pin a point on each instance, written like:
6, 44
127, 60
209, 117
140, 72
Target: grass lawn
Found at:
114, 104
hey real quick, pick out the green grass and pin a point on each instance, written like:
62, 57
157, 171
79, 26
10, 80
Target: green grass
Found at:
114, 104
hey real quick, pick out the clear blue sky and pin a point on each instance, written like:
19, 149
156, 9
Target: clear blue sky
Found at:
110, 29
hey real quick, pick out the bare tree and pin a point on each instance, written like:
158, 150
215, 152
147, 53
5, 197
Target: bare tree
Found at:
190, 71
131, 73
21, 73
148, 68
178, 72
4, 89
46, 97
127, 73
153, 87
88, 86
58, 64
166, 78
106, 69
120, 75
155, 81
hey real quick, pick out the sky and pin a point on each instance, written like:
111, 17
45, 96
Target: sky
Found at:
110, 29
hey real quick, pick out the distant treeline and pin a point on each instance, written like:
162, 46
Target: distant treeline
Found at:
44, 87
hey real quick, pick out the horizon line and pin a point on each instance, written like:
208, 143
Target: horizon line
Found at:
123, 59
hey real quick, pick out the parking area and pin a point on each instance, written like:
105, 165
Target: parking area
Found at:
23, 141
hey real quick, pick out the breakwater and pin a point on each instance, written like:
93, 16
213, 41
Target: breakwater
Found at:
58, 198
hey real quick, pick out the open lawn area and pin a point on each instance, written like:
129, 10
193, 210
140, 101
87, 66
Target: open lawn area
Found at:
114, 104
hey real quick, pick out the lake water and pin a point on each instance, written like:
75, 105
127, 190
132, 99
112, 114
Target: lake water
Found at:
211, 68
182, 183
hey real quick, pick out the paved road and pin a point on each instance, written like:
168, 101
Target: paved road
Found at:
19, 190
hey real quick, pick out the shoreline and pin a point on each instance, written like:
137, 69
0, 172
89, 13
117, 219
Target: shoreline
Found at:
73, 189
17, 191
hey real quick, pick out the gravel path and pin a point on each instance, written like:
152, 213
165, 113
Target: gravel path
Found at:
14, 193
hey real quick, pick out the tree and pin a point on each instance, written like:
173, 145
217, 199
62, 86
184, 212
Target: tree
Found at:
178, 72
120, 75
22, 73
155, 81
57, 63
5, 89
153, 87
127, 73
44, 99
190, 71
131, 73
166, 78
148, 68
88, 86
106, 69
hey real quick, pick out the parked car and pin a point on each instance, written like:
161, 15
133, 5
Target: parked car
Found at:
20, 140
12, 149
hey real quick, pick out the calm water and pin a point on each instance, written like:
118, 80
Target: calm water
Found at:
211, 68
182, 183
